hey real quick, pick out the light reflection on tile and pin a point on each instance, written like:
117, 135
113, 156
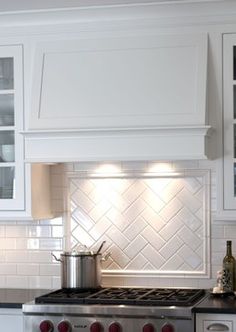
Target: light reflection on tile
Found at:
57, 231
50, 244
39, 231
33, 244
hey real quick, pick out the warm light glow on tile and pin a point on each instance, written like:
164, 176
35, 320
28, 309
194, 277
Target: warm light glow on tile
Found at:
160, 168
107, 170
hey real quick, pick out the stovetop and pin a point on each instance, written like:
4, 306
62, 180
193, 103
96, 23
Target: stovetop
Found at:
124, 296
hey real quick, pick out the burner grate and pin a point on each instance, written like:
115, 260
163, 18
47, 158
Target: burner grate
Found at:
125, 296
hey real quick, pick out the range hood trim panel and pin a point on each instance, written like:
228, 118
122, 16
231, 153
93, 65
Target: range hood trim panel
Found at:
177, 143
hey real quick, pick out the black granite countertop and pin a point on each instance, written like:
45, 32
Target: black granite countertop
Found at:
14, 298
217, 304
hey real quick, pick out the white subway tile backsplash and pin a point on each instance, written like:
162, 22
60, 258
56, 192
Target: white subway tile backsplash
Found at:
44, 282
28, 269
2, 231
8, 269
17, 256
153, 257
56, 282
38, 231
17, 281
133, 249
50, 244
49, 270
154, 227
2, 281
16, 231
39, 256
57, 232
7, 243
154, 218
138, 263
32, 244
230, 232
135, 228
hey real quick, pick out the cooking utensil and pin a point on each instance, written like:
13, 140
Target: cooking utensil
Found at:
81, 269
100, 248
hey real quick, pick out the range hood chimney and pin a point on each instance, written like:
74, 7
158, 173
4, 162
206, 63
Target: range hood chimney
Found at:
119, 96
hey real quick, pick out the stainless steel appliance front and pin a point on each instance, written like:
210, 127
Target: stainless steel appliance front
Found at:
113, 310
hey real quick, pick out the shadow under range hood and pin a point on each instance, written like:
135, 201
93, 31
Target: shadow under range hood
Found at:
119, 98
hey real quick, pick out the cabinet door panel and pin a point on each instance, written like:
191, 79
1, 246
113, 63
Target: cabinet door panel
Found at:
229, 88
12, 189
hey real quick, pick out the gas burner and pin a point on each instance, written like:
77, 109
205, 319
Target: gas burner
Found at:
124, 296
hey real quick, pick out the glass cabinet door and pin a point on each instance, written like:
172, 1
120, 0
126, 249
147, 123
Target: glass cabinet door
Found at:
11, 123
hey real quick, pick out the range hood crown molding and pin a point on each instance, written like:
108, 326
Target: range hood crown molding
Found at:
163, 143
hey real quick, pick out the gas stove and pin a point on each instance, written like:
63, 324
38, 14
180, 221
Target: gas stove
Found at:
113, 310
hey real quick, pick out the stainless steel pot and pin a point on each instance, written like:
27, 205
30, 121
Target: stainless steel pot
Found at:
80, 269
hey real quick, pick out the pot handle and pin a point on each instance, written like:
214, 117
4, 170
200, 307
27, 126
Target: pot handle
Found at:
57, 259
105, 258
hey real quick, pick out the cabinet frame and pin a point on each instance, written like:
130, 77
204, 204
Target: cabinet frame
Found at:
18, 202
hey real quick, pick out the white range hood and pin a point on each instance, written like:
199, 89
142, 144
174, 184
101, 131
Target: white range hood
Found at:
118, 95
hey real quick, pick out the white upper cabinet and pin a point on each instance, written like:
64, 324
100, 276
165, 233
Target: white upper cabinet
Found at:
11, 120
24, 189
120, 82
229, 111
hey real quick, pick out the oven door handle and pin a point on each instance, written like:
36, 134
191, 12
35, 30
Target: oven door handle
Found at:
217, 327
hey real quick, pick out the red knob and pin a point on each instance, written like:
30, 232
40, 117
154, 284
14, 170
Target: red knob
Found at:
148, 328
96, 327
115, 327
46, 326
64, 326
167, 328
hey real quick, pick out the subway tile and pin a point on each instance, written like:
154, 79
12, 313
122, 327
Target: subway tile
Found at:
8, 243
39, 256
53, 222
8, 269
20, 281
57, 231
50, 244
44, 282
2, 281
28, 269
21, 256
230, 232
33, 244
2, 230
34, 248
56, 282
21, 244
38, 231
217, 231
49, 269
16, 231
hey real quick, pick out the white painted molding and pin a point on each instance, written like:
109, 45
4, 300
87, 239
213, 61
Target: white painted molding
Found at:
168, 13
165, 143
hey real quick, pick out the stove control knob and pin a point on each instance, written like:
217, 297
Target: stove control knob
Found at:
46, 326
64, 326
115, 327
148, 328
167, 328
96, 327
